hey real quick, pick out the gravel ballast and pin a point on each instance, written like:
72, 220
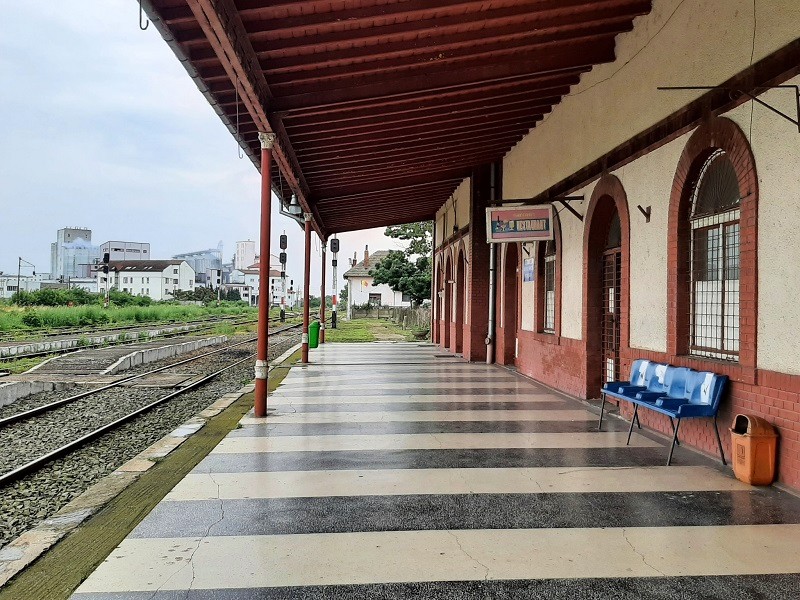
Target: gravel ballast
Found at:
26, 502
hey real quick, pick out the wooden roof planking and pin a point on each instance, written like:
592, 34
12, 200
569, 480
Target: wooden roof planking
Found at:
383, 107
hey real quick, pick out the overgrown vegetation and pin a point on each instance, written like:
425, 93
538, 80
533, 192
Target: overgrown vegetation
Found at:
356, 330
15, 318
204, 294
55, 297
365, 330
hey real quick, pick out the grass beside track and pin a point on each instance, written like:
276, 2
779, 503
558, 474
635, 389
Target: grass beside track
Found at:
26, 320
20, 365
366, 330
64, 567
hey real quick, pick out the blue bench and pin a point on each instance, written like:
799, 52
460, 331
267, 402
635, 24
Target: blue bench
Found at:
678, 392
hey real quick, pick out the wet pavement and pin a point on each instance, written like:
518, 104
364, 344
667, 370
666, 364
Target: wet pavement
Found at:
388, 472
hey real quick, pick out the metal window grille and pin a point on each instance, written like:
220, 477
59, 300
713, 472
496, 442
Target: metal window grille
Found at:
714, 260
612, 275
549, 324
612, 291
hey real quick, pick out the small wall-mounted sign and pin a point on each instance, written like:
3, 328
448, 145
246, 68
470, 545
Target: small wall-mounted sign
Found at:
519, 224
527, 270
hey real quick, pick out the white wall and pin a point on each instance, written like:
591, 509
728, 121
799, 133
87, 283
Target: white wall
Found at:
678, 43
455, 211
359, 289
8, 285
776, 147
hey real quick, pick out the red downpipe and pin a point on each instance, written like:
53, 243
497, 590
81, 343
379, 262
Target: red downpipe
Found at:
262, 351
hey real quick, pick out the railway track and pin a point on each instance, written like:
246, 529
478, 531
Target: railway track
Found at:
144, 400
79, 455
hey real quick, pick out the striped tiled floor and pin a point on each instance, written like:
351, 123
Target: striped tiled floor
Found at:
388, 472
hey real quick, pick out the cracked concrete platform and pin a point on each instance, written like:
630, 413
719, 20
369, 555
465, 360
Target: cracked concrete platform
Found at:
455, 480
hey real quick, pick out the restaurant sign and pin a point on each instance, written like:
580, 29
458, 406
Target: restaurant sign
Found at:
519, 224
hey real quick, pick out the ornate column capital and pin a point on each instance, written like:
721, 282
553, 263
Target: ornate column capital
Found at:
267, 140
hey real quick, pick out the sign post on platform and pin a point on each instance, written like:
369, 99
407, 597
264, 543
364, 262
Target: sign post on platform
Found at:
519, 223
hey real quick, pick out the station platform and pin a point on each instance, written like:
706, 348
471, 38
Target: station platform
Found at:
389, 470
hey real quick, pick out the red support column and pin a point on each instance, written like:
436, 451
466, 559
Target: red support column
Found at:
262, 361
306, 285
322, 304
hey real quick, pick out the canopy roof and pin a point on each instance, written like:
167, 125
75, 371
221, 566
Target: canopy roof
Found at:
382, 107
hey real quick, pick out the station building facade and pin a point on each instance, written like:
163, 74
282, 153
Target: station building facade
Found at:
681, 243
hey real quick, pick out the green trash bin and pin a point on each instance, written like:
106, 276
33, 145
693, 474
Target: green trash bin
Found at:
313, 334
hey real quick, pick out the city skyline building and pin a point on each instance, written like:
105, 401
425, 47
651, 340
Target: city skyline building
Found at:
72, 254
118, 250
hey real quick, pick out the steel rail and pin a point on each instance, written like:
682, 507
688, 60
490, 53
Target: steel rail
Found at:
21, 416
33, 465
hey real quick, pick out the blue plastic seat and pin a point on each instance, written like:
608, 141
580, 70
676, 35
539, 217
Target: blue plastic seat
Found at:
677, 392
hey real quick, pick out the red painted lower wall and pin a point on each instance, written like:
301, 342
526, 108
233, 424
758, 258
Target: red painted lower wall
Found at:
553, 360
773, 396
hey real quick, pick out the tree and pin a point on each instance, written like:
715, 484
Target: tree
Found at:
343, 295
404, 275
400, 270
419, 237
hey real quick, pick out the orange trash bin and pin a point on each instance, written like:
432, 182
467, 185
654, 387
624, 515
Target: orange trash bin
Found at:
755, 443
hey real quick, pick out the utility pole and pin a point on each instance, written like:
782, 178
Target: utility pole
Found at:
335, 290
19, 273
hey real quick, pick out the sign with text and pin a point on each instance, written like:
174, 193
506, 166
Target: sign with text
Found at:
519, 224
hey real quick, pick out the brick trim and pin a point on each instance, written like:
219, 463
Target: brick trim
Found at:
717, 133
608, 198
462, 269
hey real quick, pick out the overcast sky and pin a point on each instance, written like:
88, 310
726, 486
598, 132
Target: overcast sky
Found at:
103, 128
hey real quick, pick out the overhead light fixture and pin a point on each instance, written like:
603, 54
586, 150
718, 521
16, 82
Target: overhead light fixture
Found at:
294, 207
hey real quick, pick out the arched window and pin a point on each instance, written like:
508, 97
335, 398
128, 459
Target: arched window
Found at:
714, 260
549, 317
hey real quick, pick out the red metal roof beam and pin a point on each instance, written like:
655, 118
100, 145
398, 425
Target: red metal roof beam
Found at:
226, 34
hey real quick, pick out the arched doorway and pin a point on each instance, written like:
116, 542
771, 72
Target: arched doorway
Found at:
510, 295
461, 293
606, 296
447, 299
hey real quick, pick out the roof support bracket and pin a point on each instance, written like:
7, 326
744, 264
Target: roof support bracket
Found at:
530, 202
565, 203
735, 93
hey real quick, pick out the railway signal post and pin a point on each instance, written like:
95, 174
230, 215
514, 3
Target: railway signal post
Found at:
283, 276
334, 264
